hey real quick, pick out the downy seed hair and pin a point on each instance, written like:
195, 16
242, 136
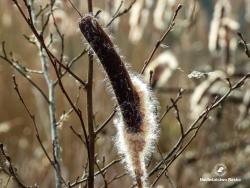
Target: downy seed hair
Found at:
136, 119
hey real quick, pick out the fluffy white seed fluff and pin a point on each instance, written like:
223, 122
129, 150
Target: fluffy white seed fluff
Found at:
169, 64
221, 21
139, 15
215, 26
136, 148
198, 100
162, 13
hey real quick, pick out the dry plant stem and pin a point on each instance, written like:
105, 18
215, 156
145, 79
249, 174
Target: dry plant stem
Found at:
70, 64
234, 98
11, 169
77, 134
104, 169
170, 27
117, 177
102, 174
245, 44
193, 129
226, 50
125, 93
35, 126
174, 103
39, 37
118, 14
222, 147
91, 136
20, 70
54, 61
91, 152
51, 106
101, 127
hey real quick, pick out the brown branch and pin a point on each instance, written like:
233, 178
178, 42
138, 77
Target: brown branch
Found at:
20, 70
178, 116
194, 128
40, 38
116, 177
101, 127
119, 14
174, 102
77, 134
53, 163
71, 63
102, 174
245, 44
97, 173
91, 151
170, 28
91, 138
8, 166
54, 61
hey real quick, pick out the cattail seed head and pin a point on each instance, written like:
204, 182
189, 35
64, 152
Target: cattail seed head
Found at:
136, 119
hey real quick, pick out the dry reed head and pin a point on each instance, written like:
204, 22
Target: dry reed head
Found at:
136, 120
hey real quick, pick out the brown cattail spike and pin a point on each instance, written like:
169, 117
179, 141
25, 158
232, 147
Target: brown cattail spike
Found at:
127, 97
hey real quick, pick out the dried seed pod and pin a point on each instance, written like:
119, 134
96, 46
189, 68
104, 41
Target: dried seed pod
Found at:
127, 98
136, 119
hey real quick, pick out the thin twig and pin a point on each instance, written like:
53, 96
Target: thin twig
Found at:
174, 102
194, 128
178, 116
12, 171
77, 134
40, 38
22, 72
32, 117
97, 173
245, 44
101, 127
118, 14
170, 28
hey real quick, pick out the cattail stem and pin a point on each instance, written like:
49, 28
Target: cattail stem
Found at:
127, 97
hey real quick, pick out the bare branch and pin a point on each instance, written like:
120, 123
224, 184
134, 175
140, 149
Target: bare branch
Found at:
35, 126
118, 14
170, 27
245, 44
21, 70
10, 169
194, 128
101, 127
